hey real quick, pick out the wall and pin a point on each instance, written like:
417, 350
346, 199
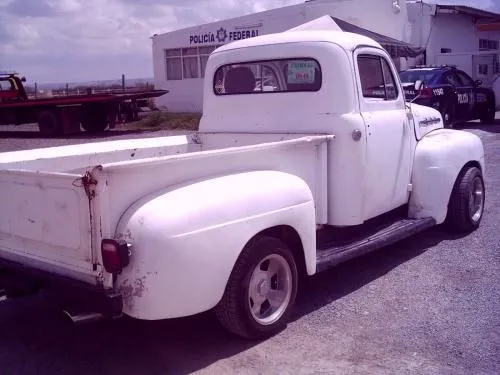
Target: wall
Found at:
376, 15
186, 95
457, 32
453, 31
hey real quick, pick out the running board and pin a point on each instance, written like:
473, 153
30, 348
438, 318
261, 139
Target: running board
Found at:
334, 252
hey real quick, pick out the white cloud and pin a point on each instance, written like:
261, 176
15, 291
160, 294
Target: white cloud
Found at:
75, 40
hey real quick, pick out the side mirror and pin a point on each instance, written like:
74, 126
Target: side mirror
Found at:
419, 85
23, 79
478, 82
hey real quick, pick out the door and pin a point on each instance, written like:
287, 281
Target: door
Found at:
483, 68
468, 87
463, 95
389, 134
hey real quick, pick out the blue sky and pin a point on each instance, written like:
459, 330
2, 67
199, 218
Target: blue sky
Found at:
82, 40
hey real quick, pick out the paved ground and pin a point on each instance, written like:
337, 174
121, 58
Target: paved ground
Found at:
428, 305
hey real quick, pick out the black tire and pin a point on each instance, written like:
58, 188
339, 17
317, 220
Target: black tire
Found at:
488, 117
234, 311
460, 218
49, 124
448, 114
94, 118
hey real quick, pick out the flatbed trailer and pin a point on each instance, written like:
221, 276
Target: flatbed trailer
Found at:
94, 112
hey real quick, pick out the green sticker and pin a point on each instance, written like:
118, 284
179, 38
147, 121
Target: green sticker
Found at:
301, 72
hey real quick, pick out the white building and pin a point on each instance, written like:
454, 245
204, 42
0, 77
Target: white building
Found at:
458, 35
179, 57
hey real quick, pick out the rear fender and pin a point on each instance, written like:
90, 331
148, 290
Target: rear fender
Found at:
439, 157
186, 239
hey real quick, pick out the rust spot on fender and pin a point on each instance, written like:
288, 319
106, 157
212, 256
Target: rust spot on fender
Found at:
132, 290
127, 235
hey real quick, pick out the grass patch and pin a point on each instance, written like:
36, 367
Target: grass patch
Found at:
159, 120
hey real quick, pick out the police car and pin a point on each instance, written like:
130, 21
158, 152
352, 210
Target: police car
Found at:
451, 91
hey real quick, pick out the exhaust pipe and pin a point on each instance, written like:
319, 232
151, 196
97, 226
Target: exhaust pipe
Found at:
84, 317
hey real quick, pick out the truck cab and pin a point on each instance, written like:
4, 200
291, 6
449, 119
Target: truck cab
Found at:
340, 84
307, 155
11, 87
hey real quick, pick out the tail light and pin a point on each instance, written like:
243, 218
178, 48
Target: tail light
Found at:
426, 92
115, 255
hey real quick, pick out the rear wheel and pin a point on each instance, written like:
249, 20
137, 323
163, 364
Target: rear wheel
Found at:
488, 115
261, 290
466, 206
48, 123
94, 118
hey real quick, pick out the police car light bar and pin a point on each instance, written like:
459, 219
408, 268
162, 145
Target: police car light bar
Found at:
434, 66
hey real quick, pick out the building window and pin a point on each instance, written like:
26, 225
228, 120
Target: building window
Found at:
495, 66
488, 45
204, 52
173, 64
187, 63
377, 80
190, 68
270, 76
483, 69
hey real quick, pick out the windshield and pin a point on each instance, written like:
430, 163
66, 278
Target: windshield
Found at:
414, 75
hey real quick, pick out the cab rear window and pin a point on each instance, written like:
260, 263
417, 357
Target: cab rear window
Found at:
283, 75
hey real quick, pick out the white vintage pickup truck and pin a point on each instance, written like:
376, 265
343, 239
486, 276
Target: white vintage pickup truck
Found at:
307, 155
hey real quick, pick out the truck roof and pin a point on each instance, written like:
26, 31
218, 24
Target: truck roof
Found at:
346, 40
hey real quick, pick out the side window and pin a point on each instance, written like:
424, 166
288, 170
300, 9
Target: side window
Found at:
464, 78
452, 79
377, 80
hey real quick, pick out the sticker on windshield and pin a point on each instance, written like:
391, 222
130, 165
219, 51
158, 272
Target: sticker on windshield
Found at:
301, 72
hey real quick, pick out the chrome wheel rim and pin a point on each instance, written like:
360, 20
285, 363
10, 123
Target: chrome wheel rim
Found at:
476, 199
270, 289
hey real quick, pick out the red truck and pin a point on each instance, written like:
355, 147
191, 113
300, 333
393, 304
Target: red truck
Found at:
58, 115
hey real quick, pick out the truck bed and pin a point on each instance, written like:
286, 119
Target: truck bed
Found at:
51, 220
116, 96
81, 157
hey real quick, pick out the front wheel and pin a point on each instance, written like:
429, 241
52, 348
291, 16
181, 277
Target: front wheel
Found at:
466, 206
448, 114
261, 290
